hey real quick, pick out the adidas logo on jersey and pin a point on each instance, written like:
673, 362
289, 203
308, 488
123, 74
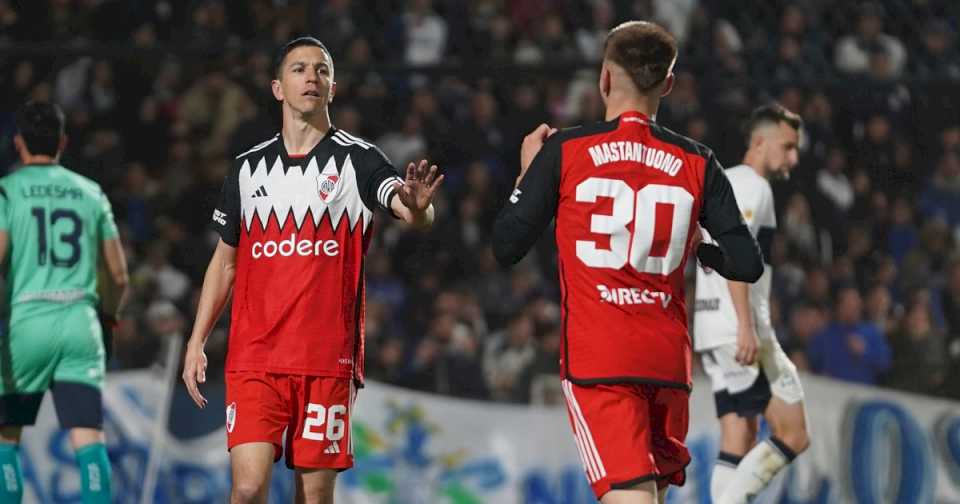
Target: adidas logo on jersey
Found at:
334, 448
261, 192
633, 296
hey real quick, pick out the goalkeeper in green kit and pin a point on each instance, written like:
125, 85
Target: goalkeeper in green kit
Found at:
56, 228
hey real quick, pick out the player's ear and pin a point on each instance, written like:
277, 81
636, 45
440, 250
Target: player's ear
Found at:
277, 90
668, 85
605, 81
333, 91
64, 140
20, 145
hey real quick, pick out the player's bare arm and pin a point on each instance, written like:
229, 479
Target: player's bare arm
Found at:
414, 201
217, 284
746, 334
114, 291
4, 245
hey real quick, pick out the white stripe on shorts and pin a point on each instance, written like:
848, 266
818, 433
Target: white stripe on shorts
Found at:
592, 454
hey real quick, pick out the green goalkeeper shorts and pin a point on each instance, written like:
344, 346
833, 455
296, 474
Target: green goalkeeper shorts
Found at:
51, 342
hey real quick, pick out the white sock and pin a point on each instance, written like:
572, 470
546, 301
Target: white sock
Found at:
723, 470
754, 473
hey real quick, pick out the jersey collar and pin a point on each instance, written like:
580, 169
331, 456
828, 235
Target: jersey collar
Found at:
299, 159
636, 114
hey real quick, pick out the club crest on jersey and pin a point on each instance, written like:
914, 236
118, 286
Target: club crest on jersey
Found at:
231, 416
326, 185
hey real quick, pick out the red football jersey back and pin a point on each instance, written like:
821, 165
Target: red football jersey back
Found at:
629, 200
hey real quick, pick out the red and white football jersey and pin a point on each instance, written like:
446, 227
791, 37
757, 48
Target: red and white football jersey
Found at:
627, 195
301, 226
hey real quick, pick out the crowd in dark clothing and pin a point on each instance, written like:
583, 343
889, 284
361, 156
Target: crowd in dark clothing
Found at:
161, 95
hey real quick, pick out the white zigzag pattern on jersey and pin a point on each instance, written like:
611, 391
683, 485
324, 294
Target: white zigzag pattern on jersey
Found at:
296, 191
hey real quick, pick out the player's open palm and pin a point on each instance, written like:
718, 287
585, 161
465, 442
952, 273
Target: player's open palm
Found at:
419, 186
747, 345
195, 371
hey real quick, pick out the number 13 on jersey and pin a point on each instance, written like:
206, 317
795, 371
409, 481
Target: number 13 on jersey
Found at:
661, 223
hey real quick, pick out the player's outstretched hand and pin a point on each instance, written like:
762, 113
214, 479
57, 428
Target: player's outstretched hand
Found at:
195, 371
419, 186
531, 146
746, 345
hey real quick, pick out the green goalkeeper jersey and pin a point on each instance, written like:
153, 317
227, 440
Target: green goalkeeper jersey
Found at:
56, 220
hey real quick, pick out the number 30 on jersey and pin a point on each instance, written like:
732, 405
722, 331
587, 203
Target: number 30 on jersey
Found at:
652, 248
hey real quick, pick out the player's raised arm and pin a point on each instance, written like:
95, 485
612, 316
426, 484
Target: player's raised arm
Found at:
414, 198
533, 203
737, 254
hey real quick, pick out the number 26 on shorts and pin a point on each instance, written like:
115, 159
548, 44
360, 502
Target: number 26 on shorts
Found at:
317, 416
651, 248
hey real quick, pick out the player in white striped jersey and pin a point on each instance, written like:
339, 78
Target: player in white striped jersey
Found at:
751, 374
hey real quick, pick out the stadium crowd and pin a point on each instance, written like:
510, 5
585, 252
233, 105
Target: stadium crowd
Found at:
161, 95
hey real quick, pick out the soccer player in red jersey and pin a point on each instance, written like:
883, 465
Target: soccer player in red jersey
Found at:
627, 195
295, 218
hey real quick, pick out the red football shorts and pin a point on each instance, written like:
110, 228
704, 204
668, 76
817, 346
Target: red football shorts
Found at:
629, 433
314, 411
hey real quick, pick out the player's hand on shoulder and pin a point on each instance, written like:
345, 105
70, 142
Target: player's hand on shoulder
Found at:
747, 344
419, 186
195, 370
531, 146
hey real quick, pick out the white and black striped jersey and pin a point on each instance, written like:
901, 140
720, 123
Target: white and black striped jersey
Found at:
715, 321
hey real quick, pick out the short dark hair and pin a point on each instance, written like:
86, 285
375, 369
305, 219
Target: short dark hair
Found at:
293, 44
771, 113
41, 125
645, 50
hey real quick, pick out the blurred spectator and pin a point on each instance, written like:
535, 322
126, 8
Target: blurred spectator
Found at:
164, 321
480, 136
902, 235
806, 321
213, 107
386, 361
554, 45
423, 32
507, 358
158, 275
880, 309
938, 54
337, 20
405, 144
850, 348
799, 227
921, 363
832, 181
950, 303
853, 51
590, 38
942, 197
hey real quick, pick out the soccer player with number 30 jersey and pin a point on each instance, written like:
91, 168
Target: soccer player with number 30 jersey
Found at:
627, 195
295, 217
